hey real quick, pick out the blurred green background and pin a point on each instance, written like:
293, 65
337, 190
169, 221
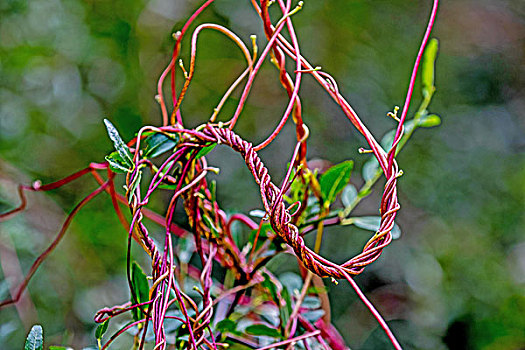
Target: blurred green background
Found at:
455, 279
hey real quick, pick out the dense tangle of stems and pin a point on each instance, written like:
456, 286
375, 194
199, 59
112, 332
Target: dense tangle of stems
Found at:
185, 171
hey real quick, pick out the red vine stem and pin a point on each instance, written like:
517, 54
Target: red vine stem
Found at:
291, 340
373, 310
280, 218
170, 67
292, 89
193, 55
52, 246
251, 78
392, 151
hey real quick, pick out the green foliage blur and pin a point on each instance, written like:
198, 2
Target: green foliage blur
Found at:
456, 277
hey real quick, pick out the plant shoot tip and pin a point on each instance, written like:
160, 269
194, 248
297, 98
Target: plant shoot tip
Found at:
364, 150
37, 184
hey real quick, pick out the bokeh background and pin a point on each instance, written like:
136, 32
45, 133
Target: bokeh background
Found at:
455, 279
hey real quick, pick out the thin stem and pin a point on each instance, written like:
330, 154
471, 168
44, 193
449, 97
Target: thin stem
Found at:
52, 246
292, 340
254, 72
413, 82
189, 77
373, 310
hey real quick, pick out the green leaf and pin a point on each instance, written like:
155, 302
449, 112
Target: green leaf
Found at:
348, 195
428, 67
140, 287
116, 163
158, 144
59, 347
286, 311
313, 315
205, 151
261, 329
292, 281
258, 213
371, 223
335, 179
268, 284
101, 329
411, 124
35, 339
429, 121
164, 186
370, 169
119, 145
135, 184
388, 140
312, 206
297, 188
311, 302
263, 233
227, 326
263, 236
175, 171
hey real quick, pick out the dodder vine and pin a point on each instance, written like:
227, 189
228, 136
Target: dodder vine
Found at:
301, 204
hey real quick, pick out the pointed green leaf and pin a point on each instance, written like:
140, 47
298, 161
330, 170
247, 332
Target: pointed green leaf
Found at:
261, 329
348, 195
205, 151
35, 339
59, 347
285, 311
429, 121
268, 284
119, 145
428, 67
116, 163
101, 329
372, 223
335, 179
158, 144
370, 169
140, 287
